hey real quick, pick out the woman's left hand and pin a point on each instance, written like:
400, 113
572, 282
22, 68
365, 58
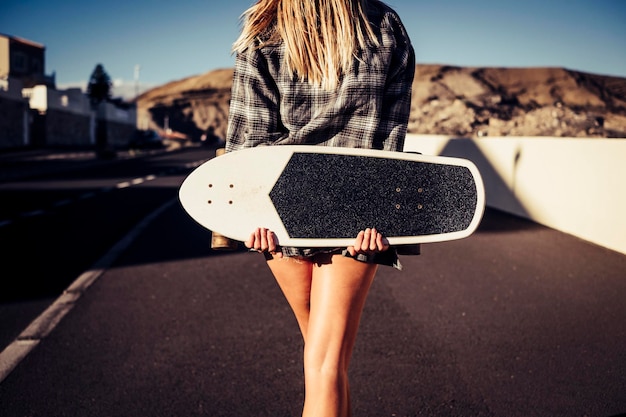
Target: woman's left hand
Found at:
369, 241
264, 240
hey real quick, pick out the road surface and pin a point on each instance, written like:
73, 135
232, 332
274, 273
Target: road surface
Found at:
517, 320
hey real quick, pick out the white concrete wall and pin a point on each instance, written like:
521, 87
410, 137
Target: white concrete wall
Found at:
115, 114
72, 100
574, 185
37, 97
66, 124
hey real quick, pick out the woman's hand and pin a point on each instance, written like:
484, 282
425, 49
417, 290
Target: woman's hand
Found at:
264, 240
368, 241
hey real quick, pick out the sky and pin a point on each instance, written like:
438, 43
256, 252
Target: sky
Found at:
153, 42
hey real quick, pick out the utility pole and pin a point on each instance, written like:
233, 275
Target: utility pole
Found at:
137, 68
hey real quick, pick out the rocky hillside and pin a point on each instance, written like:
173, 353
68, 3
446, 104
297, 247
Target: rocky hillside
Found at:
459, 101
190, 106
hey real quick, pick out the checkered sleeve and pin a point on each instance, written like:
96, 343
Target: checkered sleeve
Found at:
396, 103
254, 110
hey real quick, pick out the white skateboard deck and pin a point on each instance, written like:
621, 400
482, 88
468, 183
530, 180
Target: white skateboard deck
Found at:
237, 192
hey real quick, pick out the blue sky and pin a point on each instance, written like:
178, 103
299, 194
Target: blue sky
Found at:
171, 40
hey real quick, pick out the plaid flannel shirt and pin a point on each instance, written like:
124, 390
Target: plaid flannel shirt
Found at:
369, 108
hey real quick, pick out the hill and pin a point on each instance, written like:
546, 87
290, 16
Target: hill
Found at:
458, 101
191, 105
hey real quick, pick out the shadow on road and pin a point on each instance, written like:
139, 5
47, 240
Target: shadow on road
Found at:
495, 221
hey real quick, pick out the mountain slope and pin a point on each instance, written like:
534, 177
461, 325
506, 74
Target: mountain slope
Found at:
460, 101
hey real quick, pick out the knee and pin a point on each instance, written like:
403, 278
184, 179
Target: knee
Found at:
325, 375
324, 364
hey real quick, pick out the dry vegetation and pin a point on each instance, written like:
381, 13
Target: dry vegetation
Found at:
458, 101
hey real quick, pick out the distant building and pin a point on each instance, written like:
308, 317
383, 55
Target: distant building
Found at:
34, 113
14, 115
24, 60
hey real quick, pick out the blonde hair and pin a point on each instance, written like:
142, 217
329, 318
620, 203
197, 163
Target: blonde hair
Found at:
321, 37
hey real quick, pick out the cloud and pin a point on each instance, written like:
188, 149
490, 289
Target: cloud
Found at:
126, 89
75, 84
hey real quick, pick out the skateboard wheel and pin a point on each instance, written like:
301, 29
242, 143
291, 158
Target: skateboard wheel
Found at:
221, 242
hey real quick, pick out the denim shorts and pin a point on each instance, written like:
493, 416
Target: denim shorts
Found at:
387, 258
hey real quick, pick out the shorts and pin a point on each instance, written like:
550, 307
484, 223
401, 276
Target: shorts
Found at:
387, 258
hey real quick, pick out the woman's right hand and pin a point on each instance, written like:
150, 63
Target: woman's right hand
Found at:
264, 240
369, 241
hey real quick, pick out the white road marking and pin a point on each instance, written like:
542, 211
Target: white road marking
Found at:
121, 185
41, 327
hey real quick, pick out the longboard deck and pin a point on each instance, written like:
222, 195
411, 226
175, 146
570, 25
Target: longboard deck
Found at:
313, 196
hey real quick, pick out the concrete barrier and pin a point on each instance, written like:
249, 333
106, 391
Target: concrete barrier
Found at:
66, 118
574, 185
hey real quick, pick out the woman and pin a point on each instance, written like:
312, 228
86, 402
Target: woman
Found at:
329, 73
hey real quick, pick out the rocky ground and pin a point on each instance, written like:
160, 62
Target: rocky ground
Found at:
458, 101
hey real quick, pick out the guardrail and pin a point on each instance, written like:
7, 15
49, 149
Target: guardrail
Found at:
574, 185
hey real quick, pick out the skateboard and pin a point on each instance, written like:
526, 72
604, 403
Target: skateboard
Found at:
315, 196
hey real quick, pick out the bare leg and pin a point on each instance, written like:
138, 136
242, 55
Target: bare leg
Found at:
294, 279
338, 294
327, 300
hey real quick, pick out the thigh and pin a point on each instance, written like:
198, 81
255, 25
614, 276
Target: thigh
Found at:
338, 293
294, 279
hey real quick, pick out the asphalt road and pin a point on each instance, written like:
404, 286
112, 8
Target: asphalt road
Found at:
61, 211
517, 320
